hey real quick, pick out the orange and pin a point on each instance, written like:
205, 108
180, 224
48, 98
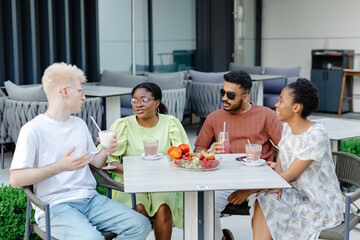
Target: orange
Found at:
174, 152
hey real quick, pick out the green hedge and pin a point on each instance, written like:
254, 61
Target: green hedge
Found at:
13, 213
351, 145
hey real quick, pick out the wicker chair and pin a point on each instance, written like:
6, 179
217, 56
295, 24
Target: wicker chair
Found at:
4, 137
188, 110
102, 179
17, 113
205, 98
347, 167
174, 100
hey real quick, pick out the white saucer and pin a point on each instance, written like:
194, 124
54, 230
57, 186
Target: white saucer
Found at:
253, 163
153, 157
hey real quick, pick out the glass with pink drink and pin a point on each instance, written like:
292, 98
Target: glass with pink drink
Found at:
151, 147
253, 152
223, 138
105, 140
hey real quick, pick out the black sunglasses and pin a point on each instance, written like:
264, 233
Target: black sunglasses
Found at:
230, 95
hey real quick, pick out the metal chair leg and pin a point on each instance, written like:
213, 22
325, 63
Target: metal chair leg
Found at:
108, 193
133, 201
28, 216
347, 218
47, 222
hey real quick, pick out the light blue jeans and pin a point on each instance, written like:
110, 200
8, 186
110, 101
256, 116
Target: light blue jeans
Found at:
83, 218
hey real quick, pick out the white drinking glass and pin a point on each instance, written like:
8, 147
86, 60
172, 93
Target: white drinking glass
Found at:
223, 138
105, 139
253, 151
151, 147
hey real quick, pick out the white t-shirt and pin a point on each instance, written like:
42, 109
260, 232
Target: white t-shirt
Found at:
44, 141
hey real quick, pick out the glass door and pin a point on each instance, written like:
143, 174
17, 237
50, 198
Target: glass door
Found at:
244, 32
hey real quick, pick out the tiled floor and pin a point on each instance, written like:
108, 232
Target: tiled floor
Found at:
239, 225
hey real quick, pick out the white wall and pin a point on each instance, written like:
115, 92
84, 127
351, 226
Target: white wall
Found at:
173, 28
292, 28
115, 33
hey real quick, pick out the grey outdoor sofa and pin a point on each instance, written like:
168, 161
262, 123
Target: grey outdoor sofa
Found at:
14, 114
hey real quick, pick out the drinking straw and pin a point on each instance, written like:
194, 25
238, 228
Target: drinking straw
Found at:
95, 123
224, 125
249, 142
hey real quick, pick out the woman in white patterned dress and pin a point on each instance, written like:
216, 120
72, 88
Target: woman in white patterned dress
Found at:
314, 202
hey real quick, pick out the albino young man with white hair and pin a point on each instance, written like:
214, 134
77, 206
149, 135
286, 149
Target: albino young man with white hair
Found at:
53, 153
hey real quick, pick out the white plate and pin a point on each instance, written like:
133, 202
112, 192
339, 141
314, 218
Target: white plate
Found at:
253, 163
152, 158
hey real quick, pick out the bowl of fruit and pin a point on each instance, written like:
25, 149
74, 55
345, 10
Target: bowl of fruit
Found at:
180, 158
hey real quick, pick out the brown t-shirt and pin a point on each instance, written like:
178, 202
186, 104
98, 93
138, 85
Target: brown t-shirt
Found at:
258, 125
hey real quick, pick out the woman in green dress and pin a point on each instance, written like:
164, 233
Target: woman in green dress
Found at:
149, 122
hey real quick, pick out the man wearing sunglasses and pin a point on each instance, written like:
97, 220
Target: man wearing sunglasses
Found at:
244, 120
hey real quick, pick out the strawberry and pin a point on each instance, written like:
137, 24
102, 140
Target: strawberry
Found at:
205, 159
212, 158
202, 164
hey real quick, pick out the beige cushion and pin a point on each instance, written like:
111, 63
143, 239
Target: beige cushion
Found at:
111, 78
29, 93
247, 69
207, 77
2, 94
166, 81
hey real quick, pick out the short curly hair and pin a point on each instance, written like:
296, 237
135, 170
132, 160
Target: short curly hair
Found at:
239, 77
59, 72
305, 93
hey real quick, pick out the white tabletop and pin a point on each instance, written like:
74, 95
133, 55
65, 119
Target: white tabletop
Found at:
157, 176
105, 91
339, 129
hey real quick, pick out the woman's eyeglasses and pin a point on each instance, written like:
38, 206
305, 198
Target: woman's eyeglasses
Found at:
230, 95
144, 100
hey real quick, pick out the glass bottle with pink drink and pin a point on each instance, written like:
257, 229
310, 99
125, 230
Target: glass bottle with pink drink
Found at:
223, 138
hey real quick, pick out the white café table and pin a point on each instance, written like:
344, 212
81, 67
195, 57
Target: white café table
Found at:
141, 176
261, 79
111, 95
339, 129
